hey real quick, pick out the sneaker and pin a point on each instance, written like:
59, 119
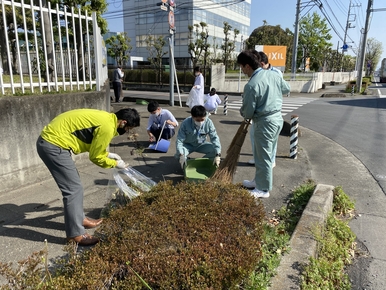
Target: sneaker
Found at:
249, 183
273, 164
259, 193
251, 162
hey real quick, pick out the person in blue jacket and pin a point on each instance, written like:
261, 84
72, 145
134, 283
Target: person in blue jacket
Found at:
192, 137
262, 102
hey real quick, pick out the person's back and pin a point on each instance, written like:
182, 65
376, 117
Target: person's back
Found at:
212, 100
270, 87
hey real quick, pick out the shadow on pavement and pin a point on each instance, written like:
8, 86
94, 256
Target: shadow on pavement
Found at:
375, 103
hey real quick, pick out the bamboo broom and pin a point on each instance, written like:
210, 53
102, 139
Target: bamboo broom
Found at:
228, 166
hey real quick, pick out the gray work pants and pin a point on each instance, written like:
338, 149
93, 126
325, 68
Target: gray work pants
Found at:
63, 170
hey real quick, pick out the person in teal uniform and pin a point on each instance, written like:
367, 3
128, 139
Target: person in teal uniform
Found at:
262, 102
265, 65
192, 137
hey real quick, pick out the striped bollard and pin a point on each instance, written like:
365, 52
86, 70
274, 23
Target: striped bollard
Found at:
294, 136
226, 105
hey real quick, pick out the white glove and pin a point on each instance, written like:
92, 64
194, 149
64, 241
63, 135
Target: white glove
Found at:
216, 161
183, 161
122, 164
114, 156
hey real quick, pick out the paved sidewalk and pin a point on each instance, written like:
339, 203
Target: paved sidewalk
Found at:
32, 214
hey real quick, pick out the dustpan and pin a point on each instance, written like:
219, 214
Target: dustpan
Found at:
162, 145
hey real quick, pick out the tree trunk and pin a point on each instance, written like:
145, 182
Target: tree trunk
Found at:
49, 45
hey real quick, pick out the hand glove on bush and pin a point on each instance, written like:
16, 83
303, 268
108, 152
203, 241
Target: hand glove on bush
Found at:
183, 161
121, 164
114, 156
216, 161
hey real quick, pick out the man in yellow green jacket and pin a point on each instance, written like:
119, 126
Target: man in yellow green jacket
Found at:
78, 131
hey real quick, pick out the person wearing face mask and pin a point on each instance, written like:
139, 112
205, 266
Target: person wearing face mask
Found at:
192, 137
158, 117
196, 96
74, 132
262, 102
264, 65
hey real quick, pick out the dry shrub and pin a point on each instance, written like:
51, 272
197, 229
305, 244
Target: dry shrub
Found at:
188, 236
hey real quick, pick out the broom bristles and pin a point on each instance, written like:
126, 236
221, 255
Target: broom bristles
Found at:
243, 127
228, 166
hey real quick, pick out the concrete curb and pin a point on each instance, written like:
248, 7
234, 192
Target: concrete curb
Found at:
302, 243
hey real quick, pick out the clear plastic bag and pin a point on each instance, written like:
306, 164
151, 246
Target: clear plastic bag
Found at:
194, 98
125, 185
139, 180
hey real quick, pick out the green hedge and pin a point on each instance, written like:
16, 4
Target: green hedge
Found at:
143, 76
366, 81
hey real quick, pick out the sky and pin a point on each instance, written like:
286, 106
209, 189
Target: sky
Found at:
283, 12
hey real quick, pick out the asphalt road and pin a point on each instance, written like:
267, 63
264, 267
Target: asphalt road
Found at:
357, 123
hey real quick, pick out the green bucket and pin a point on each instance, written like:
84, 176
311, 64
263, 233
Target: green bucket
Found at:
141, 102
199, 169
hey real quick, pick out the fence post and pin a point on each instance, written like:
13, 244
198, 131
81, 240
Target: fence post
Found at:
226, 105
294, 136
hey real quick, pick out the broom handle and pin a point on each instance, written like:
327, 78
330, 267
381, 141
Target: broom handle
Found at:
159, 138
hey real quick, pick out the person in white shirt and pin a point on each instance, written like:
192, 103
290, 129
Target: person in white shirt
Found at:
212, 100
196, 95
158, 117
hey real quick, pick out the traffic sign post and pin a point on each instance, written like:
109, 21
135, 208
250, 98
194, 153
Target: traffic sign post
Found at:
169, 5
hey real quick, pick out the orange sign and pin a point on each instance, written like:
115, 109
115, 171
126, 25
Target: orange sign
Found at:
276, 54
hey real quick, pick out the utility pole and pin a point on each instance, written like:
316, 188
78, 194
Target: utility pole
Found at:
170, 6
296, 34
348, 25
363, 45
296, 39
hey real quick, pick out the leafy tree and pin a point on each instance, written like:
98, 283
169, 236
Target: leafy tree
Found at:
229, 44
348, 63
198, 47
214, 57
272, 35
155, 48
331, 60
119, 48
13, 31
313, 40
374, 50
100, 6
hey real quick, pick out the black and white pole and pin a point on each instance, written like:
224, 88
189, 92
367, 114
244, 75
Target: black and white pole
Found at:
226, 105
294, 136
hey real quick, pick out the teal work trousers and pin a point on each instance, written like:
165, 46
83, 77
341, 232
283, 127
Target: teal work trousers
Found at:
266, 132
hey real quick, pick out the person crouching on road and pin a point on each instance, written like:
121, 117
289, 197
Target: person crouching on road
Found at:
78, 131
158, 117
212, 100
192, 137
262, 102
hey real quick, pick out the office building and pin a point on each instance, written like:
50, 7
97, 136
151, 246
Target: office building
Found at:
142, 18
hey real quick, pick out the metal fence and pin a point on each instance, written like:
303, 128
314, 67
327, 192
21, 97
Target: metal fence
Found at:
49, 49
